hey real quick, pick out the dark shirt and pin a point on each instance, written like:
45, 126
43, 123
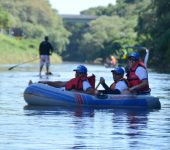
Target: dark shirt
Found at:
45, 48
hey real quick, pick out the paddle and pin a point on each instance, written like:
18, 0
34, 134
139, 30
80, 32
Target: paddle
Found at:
97, 86
22, 63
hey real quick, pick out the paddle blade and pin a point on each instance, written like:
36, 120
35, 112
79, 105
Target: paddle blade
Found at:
10, 68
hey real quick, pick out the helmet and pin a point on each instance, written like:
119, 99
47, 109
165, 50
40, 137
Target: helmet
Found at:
134, 55
118, 70
81, 69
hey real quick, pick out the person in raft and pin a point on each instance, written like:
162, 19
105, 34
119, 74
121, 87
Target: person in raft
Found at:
120, 84
137, 75
81, 82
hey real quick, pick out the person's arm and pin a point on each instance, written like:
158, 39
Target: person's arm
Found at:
91, 91
102, 82
105, 86
56, 84
110, 91
87, 88
139, 86
51, 49
39, 50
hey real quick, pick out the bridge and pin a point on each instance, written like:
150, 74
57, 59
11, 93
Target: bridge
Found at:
78, 18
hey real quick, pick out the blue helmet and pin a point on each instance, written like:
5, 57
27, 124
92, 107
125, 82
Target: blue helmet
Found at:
118, 70
134, 55
81, 69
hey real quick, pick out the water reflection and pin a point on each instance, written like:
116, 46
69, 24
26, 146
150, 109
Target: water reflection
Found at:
113, 124
136, 121
79, 128
42, 110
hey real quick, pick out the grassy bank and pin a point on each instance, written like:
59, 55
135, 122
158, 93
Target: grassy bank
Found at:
13, 50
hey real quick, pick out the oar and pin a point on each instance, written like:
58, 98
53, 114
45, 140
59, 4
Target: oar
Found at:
22, 63
97, 86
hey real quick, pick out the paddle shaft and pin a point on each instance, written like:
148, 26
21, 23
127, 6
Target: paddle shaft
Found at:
97, 86
22, 63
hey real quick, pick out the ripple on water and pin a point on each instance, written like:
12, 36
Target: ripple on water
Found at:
24, 127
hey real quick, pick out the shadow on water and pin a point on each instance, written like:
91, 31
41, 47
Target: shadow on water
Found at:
81, 128
84, 111
43, 110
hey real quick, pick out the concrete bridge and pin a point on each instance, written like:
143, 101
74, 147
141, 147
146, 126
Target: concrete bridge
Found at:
78, 18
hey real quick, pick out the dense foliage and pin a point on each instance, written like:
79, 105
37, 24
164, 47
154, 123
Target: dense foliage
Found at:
128, 23
154, 30
114, 28
36, 19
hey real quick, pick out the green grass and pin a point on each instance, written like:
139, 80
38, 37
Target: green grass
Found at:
15, 50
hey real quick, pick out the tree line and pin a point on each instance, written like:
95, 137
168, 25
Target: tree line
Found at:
128, 23
36, 19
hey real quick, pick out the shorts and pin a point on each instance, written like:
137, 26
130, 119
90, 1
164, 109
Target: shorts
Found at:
44, 59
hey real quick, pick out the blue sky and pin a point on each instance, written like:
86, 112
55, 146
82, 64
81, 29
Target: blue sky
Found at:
75, 6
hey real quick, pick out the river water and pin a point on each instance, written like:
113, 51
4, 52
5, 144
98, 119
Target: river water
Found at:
36, 128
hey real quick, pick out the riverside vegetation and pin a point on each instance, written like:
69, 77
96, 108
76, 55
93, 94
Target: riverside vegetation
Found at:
15, 50
128, 23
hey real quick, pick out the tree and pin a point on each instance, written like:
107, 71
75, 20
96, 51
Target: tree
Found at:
5, 22
36, 19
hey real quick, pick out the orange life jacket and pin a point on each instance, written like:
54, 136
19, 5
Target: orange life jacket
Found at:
133, 79
77, 83
112, 86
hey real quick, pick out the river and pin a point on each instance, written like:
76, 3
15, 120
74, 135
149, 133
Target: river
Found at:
26, 128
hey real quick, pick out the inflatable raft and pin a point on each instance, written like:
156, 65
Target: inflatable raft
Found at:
44, 95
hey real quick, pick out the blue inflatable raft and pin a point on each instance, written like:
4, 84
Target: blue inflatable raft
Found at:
44, 95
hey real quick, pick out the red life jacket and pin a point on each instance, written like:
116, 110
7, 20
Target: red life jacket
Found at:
112, 86
133, 79
77, 83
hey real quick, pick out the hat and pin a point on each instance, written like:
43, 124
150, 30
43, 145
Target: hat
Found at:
118, 70
134, 56
81, 69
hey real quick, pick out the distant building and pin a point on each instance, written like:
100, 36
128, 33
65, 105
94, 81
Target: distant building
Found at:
78, 18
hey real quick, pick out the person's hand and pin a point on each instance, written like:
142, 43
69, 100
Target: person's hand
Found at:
102, 80
96, 92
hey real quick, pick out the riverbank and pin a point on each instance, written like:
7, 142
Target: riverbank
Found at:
15, 50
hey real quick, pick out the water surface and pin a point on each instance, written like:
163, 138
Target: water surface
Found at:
35, 128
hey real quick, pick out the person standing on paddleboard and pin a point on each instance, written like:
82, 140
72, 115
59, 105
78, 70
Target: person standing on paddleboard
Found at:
45, 50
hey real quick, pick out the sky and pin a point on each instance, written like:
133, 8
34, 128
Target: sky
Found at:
75, 6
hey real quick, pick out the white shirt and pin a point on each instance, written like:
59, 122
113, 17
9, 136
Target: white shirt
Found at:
86, 85
141, 73
121, 86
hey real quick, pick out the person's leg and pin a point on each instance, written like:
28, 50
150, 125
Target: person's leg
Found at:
42, 61
48, 65
47, 69
41, 67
